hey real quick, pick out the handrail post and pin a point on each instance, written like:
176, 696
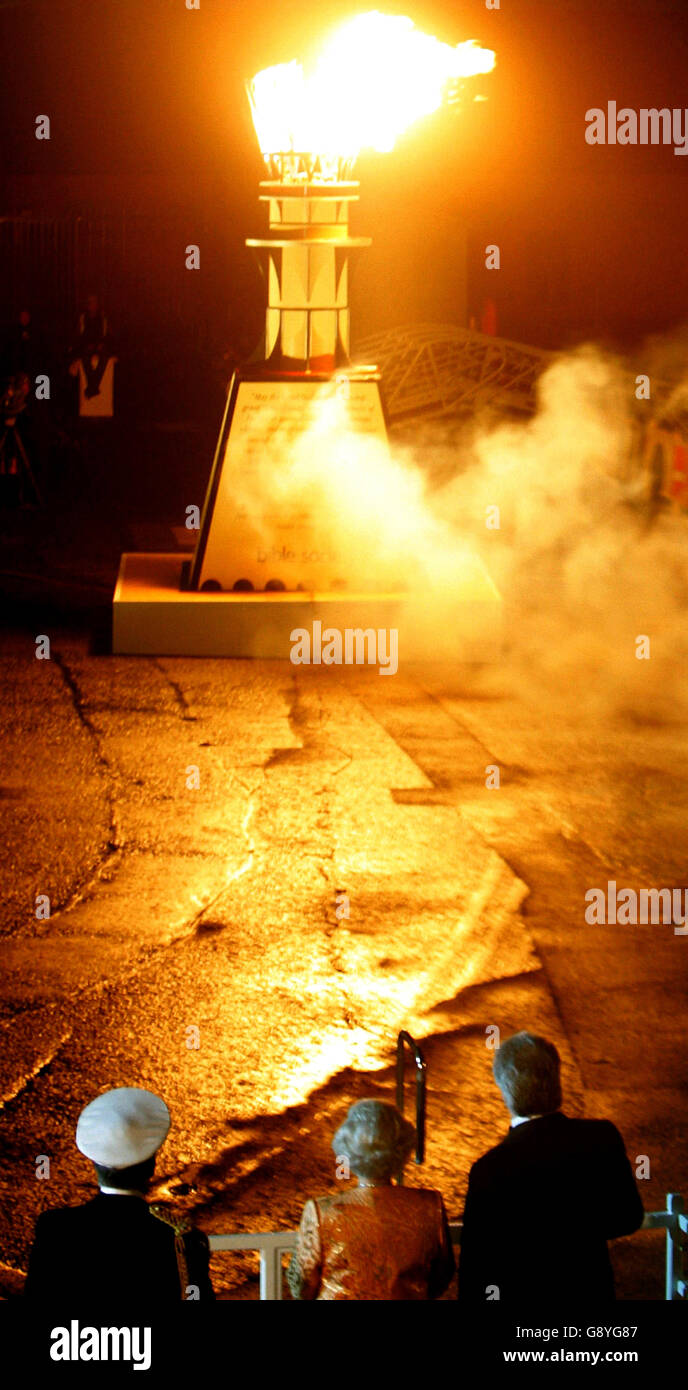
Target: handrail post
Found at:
265, 1291
674, 1247
270, 1274
405, 1038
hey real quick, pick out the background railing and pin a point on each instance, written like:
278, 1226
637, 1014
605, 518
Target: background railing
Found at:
441, 369
134, 261
273, 1245
675, 1222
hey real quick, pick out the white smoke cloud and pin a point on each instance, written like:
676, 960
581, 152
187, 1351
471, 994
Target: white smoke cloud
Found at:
582, 568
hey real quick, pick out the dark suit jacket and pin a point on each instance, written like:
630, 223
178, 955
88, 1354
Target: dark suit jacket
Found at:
540, 1209
112, 1249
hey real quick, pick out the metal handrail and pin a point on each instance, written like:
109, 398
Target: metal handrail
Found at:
271, 1245
405, 1040
675, 1222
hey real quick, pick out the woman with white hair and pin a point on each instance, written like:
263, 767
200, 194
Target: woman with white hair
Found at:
375, 1241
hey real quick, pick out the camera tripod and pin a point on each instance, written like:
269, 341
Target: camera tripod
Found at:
14, 460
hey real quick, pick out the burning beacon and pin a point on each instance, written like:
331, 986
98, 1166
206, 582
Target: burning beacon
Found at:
303, 406
310, 133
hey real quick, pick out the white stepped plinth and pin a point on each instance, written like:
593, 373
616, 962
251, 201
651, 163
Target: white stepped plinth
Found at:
154, 616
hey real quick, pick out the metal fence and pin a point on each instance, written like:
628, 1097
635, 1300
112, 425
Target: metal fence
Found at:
675, 1222
440, 369
52, 263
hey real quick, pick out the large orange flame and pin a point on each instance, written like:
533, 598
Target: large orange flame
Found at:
374, 78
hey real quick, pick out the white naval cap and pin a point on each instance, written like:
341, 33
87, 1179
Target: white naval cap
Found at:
122, 1127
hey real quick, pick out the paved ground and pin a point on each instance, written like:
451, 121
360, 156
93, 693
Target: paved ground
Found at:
177, 907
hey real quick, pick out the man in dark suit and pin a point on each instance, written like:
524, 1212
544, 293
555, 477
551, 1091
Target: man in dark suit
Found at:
542, 1205
116, 1248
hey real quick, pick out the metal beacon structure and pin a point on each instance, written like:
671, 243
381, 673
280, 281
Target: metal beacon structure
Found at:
298, 523
297, 415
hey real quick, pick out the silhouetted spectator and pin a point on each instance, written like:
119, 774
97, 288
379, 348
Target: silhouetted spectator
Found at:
21, 348
116, 1248
374, 1241
23, 442
93, 349
18, 486
542, 1205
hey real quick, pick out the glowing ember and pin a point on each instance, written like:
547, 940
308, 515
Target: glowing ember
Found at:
376, 76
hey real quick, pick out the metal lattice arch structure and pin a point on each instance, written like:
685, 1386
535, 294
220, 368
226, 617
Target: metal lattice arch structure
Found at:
438, 369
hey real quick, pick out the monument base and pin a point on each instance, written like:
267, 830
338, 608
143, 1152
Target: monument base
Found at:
154, 616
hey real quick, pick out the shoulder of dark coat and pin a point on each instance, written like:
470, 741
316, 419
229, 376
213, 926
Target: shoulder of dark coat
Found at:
568, 1132
64, 1216
594, 1132
195, 1239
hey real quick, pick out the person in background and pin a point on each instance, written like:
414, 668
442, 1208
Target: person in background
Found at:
21, 348
117, 1247
488, 318
375, 1241
93, 346
17, 482
542, 1205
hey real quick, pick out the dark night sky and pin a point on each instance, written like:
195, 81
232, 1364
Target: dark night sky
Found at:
592, 238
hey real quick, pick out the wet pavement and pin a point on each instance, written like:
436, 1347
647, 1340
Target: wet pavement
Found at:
195, 825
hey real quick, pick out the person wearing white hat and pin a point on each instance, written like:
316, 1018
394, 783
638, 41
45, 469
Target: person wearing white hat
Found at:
117, 1246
